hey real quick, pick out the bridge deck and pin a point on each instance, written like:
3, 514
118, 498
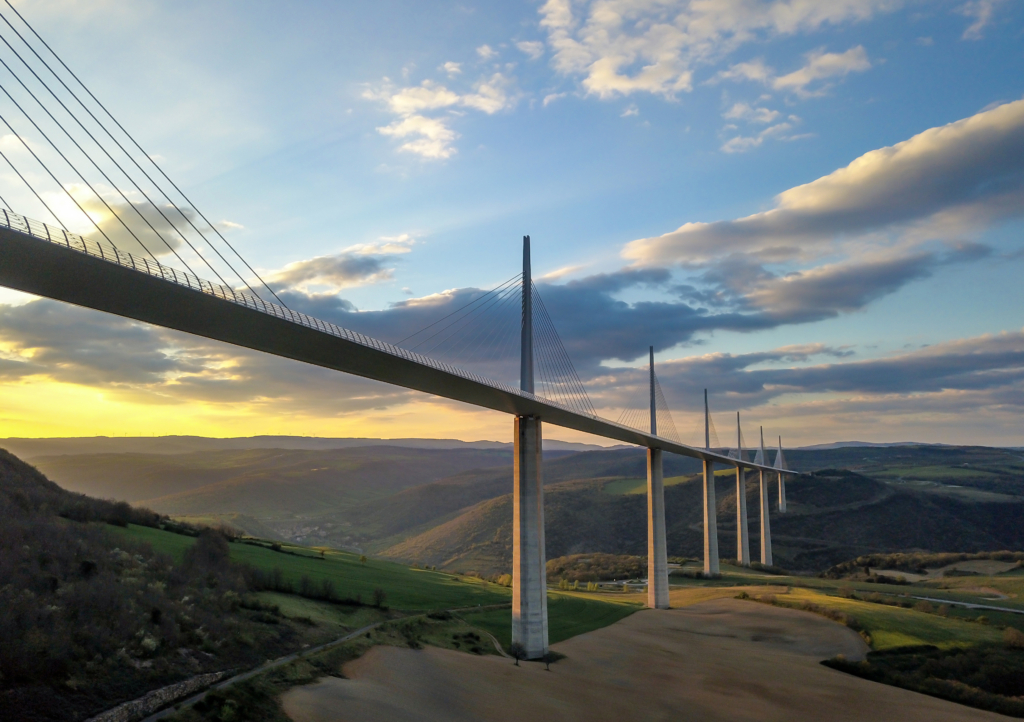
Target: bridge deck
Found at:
43, 261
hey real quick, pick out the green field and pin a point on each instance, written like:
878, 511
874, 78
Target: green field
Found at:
407, 589
569, 614
891, 627
639, 486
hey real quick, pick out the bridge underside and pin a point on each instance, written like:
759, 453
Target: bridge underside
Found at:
54, 271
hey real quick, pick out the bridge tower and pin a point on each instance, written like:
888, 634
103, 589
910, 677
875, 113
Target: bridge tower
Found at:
766, 526
529, 559
742, 540
710, 505
657, 553
780, 464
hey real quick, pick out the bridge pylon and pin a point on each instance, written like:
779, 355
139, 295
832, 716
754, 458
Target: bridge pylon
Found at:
710, 504
780, 464
766, 524
529, 557
657, 550
742, 540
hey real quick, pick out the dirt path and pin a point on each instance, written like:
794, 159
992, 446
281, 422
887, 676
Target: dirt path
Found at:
722, 660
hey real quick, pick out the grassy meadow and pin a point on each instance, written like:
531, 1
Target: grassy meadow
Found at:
569, 614
407, 589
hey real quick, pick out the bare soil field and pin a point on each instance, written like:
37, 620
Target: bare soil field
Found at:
721, 659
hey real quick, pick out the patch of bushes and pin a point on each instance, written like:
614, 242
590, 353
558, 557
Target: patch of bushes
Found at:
596, 567
989, 677
914, 563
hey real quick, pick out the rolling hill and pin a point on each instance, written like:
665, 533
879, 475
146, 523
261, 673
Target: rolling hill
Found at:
451, 507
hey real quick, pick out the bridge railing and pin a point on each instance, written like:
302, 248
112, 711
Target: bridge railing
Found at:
75, 242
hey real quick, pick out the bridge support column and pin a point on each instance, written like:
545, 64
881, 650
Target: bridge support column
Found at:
657, 555
529, 573
766, 525
782, 493
710, 521
742, 538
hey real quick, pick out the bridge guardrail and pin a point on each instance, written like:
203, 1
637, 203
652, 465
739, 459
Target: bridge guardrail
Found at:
110, 254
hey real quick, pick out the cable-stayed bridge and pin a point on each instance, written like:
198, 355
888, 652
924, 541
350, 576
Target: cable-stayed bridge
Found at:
50, 260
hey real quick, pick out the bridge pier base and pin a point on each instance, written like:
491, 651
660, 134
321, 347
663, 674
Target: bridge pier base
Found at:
742, 538
529, 562
710, 521
782, 493
766, 525
657, 554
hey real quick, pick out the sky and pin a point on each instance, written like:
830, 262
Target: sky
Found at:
811, 208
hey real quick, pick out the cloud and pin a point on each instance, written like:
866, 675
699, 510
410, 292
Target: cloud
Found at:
743, 111
452, 69
486, 52
970, 172
973, 364
336, 272
432, 137
981, 11
754, 70
779, 131
552, 97
631, 110
435, 137
136, 363
620, 47
821, 65
385, 245
534, 49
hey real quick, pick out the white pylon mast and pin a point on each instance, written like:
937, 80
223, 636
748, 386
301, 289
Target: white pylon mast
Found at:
526, 339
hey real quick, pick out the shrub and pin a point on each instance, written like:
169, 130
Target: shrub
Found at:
1013, 638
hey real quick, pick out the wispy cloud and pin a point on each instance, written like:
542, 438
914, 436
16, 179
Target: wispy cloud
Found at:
431, 136
619, 47
969, 171
980, 12
534, 49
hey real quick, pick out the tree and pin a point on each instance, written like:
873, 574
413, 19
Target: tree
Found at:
362, 559
518, 651
547, 659
379, 597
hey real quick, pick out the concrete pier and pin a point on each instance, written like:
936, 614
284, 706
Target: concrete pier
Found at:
710, 521
742, 538
766, 525
766, 522
529, 558
529, 580
657, 555
710, 504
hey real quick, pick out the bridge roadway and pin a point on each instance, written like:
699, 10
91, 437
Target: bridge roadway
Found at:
49, 262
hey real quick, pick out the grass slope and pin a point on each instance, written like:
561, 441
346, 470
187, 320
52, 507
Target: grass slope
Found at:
569, 614
406, 589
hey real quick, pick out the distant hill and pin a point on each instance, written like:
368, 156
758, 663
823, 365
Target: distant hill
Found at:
31, 449
448, 506
831, 519
262, 482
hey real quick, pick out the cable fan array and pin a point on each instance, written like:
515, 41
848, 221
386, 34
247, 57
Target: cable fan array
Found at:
109, 184
484, 334
637, 412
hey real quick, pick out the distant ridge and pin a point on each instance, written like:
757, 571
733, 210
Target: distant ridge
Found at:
32, 448
845, 444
